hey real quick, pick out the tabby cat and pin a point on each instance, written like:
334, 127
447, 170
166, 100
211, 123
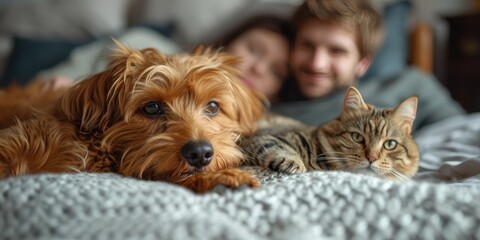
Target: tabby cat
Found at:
363, 139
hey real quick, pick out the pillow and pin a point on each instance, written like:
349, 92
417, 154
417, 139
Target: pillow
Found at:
29, 56
167, 28
66, 19
392, 56
91, 58
53, 19
193, 19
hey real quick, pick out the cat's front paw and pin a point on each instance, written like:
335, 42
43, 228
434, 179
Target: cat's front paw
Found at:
286, 164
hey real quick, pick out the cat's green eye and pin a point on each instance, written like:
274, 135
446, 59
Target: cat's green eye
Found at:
357, 137
390, 144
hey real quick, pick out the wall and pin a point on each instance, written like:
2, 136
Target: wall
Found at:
433, 11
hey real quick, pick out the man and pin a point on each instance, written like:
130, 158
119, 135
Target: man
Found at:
333, 47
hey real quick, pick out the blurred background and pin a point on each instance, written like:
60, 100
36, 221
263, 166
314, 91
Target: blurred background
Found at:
37, 35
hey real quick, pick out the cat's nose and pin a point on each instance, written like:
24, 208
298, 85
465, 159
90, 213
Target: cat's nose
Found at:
372, 157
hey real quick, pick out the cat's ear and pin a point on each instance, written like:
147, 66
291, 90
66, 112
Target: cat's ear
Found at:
406, 112
353, 102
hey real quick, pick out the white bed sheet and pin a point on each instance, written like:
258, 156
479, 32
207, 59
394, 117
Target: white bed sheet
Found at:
450, 150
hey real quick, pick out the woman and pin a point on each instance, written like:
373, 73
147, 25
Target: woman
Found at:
263, 45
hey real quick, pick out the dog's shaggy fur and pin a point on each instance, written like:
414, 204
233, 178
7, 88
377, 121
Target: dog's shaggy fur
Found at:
150, 116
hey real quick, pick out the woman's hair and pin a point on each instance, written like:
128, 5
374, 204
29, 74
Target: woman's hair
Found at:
271, 23
357, 15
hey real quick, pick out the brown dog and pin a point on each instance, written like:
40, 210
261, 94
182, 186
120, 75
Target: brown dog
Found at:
150, 116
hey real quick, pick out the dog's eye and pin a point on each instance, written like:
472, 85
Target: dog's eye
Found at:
153, 109
212, 108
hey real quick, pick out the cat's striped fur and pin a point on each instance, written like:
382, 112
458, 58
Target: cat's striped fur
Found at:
363, 139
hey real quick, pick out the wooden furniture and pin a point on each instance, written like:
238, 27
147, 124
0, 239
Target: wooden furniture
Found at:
421, 47
463, 60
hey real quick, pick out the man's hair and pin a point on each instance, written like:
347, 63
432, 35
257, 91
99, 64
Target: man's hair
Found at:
356, 15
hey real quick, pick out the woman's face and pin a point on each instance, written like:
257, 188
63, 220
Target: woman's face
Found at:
264, 59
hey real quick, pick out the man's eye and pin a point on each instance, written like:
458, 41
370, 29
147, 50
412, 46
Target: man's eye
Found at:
212, 108
153, 109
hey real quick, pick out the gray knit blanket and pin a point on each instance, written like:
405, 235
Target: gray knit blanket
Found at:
441, 203
319, 205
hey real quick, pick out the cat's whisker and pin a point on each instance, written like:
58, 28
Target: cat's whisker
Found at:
392, 173
328, 157
334, 161
400, 175
331, 153
422, 170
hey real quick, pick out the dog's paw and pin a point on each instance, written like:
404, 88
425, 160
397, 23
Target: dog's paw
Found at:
286, 164
227, 178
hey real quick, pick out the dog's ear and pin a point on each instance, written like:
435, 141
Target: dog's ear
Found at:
86, 104
251, 106
97, 102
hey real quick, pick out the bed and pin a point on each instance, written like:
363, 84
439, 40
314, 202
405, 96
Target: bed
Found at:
441, 202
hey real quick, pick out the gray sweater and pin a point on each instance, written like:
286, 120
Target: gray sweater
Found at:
435, 102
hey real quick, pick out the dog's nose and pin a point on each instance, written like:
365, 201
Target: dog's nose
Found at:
198, 153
